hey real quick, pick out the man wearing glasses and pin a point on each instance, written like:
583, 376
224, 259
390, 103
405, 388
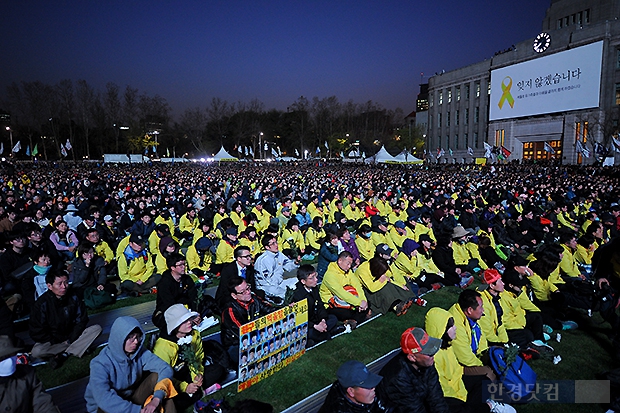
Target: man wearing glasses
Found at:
270, 267
243, 307
242, 267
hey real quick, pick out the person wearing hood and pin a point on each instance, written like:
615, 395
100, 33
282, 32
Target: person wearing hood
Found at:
135, 266
200, 257
20, 389
364, 243
180, 345
167, 247
380, 233
417, 269
328, 253
460, 396
226, 248
118, 375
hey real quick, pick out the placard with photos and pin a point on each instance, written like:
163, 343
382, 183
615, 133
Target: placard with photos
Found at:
271, 342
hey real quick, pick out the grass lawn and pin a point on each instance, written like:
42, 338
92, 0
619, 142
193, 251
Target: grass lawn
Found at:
584, 353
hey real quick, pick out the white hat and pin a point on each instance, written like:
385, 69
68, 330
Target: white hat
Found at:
176, 315
71, 208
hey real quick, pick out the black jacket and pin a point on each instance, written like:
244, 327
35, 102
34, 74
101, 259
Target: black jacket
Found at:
316, 308
337, 402
237, 314
407, 389
222, 296
56, 320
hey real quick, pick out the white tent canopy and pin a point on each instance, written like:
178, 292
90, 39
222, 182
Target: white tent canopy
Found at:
382, 156
406, 157
223, 156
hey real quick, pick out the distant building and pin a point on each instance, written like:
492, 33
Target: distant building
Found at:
561, 88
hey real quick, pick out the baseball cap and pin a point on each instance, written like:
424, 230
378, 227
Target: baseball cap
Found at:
399, 224
415, 340
137, 238
491, 275
384, 249
354, 373
107, 218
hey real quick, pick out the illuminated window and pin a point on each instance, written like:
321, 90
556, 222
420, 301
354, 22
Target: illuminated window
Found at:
477, 86
449, 96
440, 97
458, 93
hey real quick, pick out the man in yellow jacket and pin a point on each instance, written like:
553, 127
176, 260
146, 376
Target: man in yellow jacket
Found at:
470, 342
492, 327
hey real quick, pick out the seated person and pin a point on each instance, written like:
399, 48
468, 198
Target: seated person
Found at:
199, 257
410, 381
354, 391
89, 271
175, 287
242, 267
135, 266
243, 307
180, 345
342, 292
470, 343
492, 325
321, 325
270, 268
118, 375
58, 323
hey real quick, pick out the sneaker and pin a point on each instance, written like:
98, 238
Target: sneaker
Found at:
547, 329
498, 407
530, 354
23, 358
436, 286
58, 360
466, 282
212, 389
569, 325
421, 302
337, 330
546, 337
153, 290
540, 344
402, 307
350, 324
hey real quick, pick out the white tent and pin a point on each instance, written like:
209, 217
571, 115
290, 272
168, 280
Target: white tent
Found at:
408, 158
223, 156
382, 156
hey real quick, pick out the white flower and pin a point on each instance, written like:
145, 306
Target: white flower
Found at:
184, 340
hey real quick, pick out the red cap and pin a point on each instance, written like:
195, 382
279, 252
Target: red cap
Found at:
491, 275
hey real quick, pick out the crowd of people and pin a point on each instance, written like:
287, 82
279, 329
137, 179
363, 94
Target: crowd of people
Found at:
356, 241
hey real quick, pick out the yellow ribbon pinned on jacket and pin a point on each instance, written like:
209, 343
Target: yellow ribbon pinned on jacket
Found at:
506, 96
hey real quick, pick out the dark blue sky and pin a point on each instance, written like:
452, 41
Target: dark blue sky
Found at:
190, 51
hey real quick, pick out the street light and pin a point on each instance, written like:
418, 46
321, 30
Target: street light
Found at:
11, 137
260, 145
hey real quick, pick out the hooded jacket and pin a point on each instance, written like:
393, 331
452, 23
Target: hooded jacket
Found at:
462, 342
448, 367
114, 374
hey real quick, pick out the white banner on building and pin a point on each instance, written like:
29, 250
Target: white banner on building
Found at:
563, 81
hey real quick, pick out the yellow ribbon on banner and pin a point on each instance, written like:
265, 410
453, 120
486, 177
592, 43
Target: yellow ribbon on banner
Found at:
506, 93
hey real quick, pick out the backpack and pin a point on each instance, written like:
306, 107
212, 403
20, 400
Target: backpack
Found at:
518, 378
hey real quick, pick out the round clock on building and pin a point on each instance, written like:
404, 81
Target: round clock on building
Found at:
541, 42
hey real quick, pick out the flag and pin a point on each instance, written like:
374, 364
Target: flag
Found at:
326, 145
17, 147
63, 151
274, 153
342, 154
240, 149
1, 147
154, 148
549, 148
488, 150
247, 152
318, 150
279, 151
167, 152
616, 144
35, 151
296, 152
440, 152
68, 145
251, 151
470, 151
364, 155
450, 150
582, 149
28, 150
505, 152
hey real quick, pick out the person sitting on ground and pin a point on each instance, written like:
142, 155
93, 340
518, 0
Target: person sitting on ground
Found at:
180, 345
420, 271
470, 343
58, 323
200, 257
327, 254
242, 267
167, 247
443, 256
491, 324
33, 282
65, 241
321, 325
242, 308
20, 389
135, 267
466, 253
354, 391
14, 263
88, 271
175, 287
270, 270
118, 379
342, 292
462, 394
410, 381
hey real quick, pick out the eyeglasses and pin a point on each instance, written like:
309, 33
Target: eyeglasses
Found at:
247, 289
245, 256
273, 242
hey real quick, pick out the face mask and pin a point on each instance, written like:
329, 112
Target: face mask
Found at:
7, 366
367, 235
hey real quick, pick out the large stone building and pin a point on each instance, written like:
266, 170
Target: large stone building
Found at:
560, 89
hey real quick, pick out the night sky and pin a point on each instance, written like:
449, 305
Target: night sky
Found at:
191, 51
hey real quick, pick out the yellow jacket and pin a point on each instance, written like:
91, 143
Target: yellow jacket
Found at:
462, 342
187, 224
365, 246
138, 269
168, 351
103, 250
314, 237
448, 368
296, 236
568, 265
490, 323
333, 284
193, 259
224, 253
464, 252
515, 308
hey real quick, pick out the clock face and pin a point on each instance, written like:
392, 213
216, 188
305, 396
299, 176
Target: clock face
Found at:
541, 42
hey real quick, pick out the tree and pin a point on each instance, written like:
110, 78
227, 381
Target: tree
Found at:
193, 123
85, 95
112, 104
66, 97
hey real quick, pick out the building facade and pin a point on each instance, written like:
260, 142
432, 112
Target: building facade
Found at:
553, 96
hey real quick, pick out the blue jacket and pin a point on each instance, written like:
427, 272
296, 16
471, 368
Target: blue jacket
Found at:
113, 374
327, 255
